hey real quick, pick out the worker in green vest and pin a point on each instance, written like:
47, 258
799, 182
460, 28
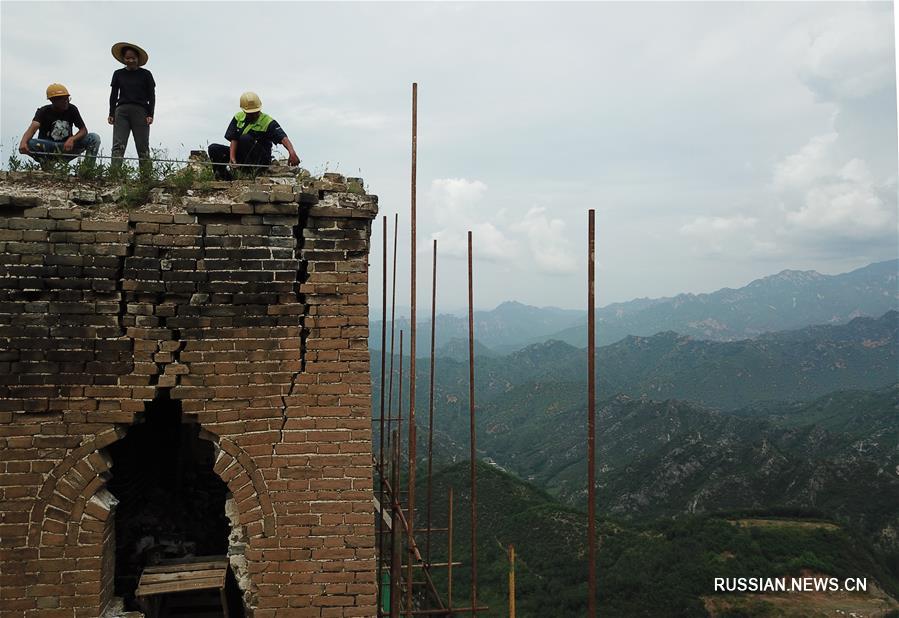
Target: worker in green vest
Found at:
251, 135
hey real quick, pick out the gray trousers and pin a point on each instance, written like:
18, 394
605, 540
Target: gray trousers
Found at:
130, 118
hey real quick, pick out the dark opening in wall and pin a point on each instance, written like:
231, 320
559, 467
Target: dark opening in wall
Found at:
171, 502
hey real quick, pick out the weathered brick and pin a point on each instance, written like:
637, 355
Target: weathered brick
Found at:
204, 304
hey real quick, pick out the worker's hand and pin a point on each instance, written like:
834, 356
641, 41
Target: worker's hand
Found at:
69, 145
149, 120
110, 120
232, 161
23, 148
293, 159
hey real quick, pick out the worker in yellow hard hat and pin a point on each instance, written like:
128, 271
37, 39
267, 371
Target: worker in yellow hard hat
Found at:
251, 135
53, 124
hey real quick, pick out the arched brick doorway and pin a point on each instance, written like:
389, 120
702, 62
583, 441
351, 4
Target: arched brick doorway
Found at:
170, 502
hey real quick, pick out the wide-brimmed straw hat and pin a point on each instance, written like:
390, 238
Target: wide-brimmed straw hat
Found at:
119, 55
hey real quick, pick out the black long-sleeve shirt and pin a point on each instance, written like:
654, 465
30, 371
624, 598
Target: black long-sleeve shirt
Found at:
135, 86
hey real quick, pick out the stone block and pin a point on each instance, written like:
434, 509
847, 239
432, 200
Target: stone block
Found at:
276, 209
208, 208
24, 201
255, 196
160, 195
84, 196
64, 213
282, 193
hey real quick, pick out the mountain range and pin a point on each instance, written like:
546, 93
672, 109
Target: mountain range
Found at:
806, 418
788, 300
649, 568
790, 365
743, 431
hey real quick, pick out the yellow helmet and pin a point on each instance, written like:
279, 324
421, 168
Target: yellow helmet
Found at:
56, 90
250, 102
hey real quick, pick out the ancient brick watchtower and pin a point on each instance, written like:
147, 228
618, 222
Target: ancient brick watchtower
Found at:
200, 366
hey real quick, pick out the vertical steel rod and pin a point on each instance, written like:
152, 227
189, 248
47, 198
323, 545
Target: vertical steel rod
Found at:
449, 554
474, 495
392, 324
591, 414
395, 553
511, 581
431, 401
381, 420
412, 350
399, 398
398, 437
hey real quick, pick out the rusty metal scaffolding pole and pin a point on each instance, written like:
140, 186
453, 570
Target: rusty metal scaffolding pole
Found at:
431, 402
412, 328
416, 554
381, 420
395, 553
591, 414
511, 581
449, 552
392, 324
474, 494
399, 411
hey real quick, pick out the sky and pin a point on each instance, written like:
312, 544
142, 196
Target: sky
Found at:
718, 142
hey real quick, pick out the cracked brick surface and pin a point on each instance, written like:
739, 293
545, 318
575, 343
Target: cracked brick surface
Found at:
254, 315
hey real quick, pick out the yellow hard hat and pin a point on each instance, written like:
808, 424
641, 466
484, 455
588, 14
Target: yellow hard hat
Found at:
56, 90
250, 102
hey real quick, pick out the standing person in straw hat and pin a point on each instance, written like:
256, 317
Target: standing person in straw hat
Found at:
251, 135
131, 104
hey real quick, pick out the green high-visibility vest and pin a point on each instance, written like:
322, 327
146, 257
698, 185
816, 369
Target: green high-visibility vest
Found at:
260, 125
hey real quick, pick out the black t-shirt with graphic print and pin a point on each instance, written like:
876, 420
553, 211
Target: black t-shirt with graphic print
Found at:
57, 125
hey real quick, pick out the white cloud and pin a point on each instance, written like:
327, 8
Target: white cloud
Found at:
844, 209
490, 242
811, 162
706, 226
457, 204
548, 242
737, 236
829, 193
828, 190
850, 55
453, 199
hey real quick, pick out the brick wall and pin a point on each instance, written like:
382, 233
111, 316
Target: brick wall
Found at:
253, 313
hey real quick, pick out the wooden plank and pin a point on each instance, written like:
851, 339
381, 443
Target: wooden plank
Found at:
193, 566
155, 578
178, 586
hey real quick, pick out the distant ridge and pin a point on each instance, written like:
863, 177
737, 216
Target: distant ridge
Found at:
787, 300
790, 299
789, 365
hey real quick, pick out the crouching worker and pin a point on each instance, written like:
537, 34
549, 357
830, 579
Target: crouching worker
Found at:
251, 135
53, 125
